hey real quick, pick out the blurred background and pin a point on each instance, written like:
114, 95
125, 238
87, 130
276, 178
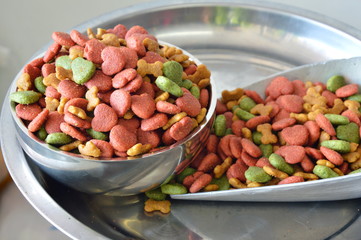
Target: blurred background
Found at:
26, 26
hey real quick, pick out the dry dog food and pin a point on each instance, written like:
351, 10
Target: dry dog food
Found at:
116, 92
299, 132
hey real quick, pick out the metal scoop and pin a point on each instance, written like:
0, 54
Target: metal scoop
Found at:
338, 188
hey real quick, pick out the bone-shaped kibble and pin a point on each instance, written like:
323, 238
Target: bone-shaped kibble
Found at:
267, 136
139, 149
152, 205
24, 82
145, 68
261, 109
92, 96
89, 149
110, 39
151, 45
51, 103
62, 73
219, 170
232, 95
201, 73
51, 80
353, 106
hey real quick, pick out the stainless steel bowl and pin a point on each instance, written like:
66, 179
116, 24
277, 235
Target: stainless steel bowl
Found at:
115, 176
265, 38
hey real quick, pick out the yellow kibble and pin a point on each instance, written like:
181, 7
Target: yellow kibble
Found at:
92, 96
254, 184
338, 171
24, 82
139, 149
300, 117
80, 113
174, 119
234, 182
128, 115
100, 32
307, 176
338, 107
61, 106
356, 165
220, 169
325, 162
246, 133
211, 187
231, 104
353, 147
162, 97
51, 103
89, 149
324, 136
51, 80
232, 95
275, 172
261, 109
62, 73
201, 115
152, 205
75, 52
351, 157
70, 146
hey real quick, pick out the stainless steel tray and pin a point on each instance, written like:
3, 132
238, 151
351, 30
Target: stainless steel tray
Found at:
240, 41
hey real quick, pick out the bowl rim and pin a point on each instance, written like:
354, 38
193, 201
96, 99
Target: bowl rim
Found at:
208, 118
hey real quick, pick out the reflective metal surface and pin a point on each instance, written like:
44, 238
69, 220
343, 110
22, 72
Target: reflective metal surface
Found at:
240, 42
339, 188
115, 176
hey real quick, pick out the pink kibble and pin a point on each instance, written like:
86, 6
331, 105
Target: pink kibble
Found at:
105, 118
78, 38
120, 101
62, 38
295, 135
70, 89
347, 90
101, 81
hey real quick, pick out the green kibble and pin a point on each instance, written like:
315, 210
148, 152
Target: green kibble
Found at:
337, 119
173, 188
173, 71
220, 125
156, 194
167, 85
229, 131
348, 132
39, 85
355, 171
267, 150
97, 135
186, 83
25, 97
257, 174
242, 114
41, 133
64, 62
324, 172
337, 145
234, 108
356, 97
256, 137
247, 104
279, 162
222, 182
335, 82
58, 138
196, 92
186, 172
82, 69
